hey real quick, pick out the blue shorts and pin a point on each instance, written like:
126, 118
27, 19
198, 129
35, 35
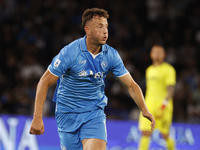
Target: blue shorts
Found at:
74, 127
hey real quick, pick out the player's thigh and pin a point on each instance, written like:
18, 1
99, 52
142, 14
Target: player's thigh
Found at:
68, 131
69, 141
95, 127
165, 123
94, 144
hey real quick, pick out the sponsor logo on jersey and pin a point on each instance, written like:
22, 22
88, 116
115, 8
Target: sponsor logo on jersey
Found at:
91, 73
83, 73
57, 63
97, 75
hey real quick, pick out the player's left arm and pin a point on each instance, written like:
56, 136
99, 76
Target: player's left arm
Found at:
170, 92
137, 95
169, 95
170, 85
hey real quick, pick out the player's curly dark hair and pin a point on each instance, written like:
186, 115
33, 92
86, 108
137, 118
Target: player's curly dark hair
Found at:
90, 13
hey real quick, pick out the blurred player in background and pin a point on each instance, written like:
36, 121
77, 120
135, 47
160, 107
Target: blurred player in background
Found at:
160, 84
80, 70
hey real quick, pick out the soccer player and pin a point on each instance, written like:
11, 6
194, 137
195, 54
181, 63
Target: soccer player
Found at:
80, 70
160, 82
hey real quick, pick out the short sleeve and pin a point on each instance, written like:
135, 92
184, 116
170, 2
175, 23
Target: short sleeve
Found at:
60, 63
118, 68
170, 76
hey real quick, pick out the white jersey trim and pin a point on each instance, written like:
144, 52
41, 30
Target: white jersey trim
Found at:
93, 55
123, 75
52, 73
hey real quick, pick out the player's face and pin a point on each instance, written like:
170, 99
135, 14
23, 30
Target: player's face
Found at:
157, 54
98, 30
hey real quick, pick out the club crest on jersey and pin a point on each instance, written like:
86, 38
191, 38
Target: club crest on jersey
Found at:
57, 63
104, 64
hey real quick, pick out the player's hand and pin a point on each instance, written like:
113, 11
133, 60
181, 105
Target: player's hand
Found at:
37, 127
150, 117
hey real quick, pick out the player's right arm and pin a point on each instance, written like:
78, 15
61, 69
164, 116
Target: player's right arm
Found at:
121, 73
137, 95
48, 79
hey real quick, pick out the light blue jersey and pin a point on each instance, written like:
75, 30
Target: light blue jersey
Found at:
81, 84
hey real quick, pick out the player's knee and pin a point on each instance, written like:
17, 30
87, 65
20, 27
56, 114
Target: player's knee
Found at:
93, 144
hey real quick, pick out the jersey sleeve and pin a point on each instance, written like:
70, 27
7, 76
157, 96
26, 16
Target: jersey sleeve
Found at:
118, 68
170, 76
60, 63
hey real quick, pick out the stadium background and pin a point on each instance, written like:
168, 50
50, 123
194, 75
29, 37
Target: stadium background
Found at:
32, 32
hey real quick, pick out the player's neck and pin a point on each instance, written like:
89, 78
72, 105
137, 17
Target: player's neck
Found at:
93, 48
157, 63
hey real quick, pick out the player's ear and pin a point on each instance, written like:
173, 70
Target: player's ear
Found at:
86, 28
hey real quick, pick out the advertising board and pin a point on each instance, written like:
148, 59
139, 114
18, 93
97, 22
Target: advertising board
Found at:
122, 135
